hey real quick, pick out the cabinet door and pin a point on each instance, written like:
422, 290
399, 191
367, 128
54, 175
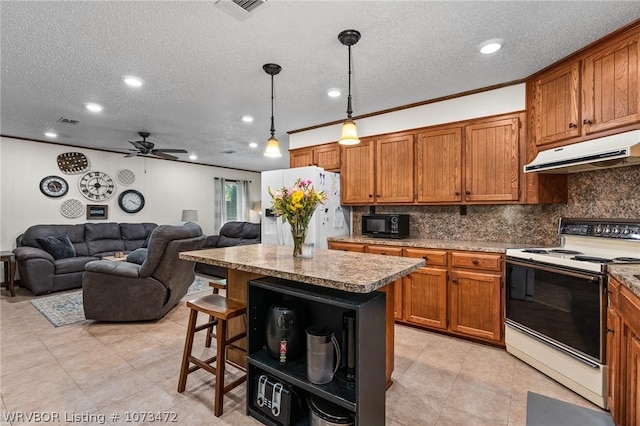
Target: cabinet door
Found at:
475, 304
327, 156
556, 105
492, 163
439, 165
338, 245
613, 362
302, 157
425, 292
394, 169
397, 284
357, 173
611, 94
633, 379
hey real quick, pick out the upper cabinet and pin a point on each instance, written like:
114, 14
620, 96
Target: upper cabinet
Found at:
439, 165
595, 92
378, 170
326, 156
611, 94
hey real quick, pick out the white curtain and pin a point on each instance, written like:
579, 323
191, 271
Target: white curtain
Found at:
219, 204
243, 200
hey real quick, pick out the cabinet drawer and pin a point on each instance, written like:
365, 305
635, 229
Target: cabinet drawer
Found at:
389, 251
346, 246
431, 257
472, 260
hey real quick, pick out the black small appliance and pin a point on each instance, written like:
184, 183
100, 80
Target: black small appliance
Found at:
386, 225
285, 332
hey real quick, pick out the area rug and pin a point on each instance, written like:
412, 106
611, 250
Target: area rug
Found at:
545, 411
66, 308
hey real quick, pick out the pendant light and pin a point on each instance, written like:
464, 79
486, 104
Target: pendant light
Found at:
349, 135
273, 146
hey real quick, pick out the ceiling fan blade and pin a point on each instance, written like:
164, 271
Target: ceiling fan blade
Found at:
166, 156
132, 154
180, 151
137, 144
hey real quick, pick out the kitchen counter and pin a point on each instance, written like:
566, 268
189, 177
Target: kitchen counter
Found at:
481, 246
628, 275
352, 272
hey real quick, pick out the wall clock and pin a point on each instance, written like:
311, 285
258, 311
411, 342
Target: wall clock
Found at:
54, 186
131, 201
96, 186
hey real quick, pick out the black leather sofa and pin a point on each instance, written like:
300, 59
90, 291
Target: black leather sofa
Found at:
41, 272
231, 234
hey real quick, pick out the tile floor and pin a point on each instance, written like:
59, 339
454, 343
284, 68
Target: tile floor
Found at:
87, 370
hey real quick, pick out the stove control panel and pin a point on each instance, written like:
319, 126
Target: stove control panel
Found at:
621, 229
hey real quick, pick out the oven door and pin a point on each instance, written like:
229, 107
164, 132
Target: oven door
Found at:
558, 306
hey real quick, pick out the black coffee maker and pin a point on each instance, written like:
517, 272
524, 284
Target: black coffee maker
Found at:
285, 332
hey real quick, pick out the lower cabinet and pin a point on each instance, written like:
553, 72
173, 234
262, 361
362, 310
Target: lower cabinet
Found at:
274, 386
425, 290
623, 354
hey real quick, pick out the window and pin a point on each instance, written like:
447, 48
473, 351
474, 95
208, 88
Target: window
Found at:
231, 200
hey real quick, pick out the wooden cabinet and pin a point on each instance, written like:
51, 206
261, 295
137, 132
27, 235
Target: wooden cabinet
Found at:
425, 290
378, 171
439, 165
611, 91
336, 245
326, 156
397, 284
557, 102
623, 354
492, 160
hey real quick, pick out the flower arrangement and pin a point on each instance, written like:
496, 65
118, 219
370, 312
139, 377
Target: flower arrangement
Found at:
296, 205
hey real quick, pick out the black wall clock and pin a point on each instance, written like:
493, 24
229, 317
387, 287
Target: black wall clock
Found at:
96, 186
131, 201
54, 186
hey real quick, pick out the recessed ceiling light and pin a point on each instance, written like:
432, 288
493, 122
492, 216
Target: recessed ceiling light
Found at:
253, 145
51, 134
334, 93
132, 81
247, 118
93, 107
491, 46
193, 157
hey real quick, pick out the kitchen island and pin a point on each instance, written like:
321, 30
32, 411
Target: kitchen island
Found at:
339, 278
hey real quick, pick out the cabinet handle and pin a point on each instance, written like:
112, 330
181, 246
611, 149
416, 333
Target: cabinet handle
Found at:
573, 126
587, 121
467, 192
425, 257
475, 262
382, 253
454, 280
610, 331
378, 195
370, 195
457, 192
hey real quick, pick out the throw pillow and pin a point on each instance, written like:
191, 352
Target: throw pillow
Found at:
137, 256
58, 246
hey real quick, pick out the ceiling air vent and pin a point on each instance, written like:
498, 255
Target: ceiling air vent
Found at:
64, 120
241, 9
228, 151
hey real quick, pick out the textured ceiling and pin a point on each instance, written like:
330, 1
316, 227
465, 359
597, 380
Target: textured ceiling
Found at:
202, 66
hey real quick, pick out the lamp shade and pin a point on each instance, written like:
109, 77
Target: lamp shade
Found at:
273, 148
189, 215
349, 133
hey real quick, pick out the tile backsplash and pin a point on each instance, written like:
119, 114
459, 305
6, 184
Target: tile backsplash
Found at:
609, 193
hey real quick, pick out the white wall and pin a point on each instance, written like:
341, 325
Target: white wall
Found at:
168, 187
492, 102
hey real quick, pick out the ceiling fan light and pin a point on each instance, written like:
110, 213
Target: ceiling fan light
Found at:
349, 134
273, 148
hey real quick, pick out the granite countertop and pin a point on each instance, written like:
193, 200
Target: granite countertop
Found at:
627, 275
483, 246
347, 271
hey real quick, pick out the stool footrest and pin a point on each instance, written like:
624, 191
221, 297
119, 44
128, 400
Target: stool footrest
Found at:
205, 325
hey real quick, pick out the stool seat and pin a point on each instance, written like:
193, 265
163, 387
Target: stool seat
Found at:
220, 310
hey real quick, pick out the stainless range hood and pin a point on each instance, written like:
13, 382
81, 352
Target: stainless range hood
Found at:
618, 150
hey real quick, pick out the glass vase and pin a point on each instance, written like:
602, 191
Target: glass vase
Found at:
299, 236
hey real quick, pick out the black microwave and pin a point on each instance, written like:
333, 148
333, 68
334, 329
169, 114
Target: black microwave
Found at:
386, 225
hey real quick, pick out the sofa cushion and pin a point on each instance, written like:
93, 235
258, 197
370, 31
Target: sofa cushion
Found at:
72, 264
136, 235
103, 238
75, 233
58, 246
137, 256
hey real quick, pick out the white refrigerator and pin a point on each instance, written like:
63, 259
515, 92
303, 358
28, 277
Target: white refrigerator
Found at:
329, 220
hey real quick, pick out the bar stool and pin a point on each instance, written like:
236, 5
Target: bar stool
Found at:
222, 310
216, 286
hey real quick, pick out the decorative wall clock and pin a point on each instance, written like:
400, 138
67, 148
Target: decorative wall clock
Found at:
131, 201
73, 163
96, 186
125, 177
71, 208
54, 186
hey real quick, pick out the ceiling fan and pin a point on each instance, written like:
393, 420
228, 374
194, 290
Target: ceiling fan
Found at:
146, 148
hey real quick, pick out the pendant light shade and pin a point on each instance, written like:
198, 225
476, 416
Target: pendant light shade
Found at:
349, 134
273, 146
